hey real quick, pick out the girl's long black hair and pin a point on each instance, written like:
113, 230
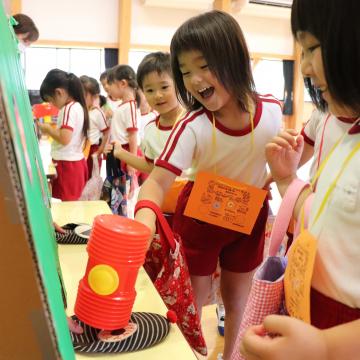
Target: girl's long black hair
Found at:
56, 79
334, 24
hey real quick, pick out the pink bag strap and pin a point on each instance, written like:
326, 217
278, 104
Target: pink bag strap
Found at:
307, 208
284, 215
162, 225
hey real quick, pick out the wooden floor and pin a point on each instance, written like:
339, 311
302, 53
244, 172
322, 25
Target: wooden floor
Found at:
214, 341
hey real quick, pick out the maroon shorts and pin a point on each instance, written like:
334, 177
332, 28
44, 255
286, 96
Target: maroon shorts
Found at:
327, 312
70, 180
93, 149
204, 243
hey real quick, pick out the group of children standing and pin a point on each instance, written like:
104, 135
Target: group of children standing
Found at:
224, 126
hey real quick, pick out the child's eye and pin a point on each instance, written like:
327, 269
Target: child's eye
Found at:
185, 73
313, 48
165, 87
149, 91
204, 66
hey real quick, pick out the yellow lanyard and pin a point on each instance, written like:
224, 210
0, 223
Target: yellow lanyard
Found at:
322, 165
334, 182
214, 143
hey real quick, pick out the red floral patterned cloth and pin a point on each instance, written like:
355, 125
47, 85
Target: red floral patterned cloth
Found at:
166, 266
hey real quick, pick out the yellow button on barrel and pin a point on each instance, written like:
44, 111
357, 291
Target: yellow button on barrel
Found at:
103, 279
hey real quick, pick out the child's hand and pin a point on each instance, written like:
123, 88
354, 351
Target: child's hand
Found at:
108, 113
44, 128
294, 340
118, 149
283, 154
74, 326
58, 228
108, 148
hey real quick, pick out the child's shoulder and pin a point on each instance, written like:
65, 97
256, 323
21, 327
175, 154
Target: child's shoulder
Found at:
152, 124
96, 110
126, 105
73, 108
269, 100
194, 116
126, 108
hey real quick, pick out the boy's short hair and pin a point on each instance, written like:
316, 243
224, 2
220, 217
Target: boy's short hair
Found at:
156, 61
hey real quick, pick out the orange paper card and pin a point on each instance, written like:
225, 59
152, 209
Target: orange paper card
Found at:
224, 202
298, 274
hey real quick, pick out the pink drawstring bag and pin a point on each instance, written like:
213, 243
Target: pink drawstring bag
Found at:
266, 296
92, 189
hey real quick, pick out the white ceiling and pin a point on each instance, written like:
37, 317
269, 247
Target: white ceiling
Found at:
259, 8
286, 3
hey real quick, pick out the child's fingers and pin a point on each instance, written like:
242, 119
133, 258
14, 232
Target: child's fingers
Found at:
299, 143
289, 136
272, 150
58, 228
255, 343
280, 325
292, 132
283, 142
74, 326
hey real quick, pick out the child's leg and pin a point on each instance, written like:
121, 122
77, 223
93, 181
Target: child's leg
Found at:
235, 288
201, 286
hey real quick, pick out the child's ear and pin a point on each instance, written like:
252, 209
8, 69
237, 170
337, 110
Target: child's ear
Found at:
59, 92
124, 82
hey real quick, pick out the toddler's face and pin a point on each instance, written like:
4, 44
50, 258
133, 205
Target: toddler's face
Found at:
160, 92
201, 82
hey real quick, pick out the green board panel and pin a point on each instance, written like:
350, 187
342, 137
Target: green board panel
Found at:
33, 182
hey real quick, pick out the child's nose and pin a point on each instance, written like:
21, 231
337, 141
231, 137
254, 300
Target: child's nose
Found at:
195, 79
158, 94
306, 67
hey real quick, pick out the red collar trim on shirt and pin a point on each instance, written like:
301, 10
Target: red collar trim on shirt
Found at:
162, 127
69, 103
125, 102
241, 132
355, 129
346, 119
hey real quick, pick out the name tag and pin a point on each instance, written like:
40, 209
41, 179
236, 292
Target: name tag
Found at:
223, 202
298, 274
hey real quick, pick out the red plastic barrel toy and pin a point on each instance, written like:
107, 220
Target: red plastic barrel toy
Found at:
116, 249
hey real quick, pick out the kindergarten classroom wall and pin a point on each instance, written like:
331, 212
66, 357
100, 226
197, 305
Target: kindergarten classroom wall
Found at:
141, 26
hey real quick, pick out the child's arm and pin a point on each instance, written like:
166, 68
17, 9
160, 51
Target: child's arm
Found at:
132, 146
297, 340
154, 189
283, 154
308, 152
104, 141
62, 136
135, 161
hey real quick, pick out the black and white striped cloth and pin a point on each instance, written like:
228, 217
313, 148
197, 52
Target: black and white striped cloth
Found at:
70, 237
151, 329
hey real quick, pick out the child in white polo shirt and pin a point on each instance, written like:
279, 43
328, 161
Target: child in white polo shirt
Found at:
64, 90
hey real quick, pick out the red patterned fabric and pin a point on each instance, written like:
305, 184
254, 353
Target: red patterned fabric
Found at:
165, 264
